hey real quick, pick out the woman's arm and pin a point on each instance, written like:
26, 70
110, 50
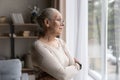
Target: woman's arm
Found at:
71, 59
51, 65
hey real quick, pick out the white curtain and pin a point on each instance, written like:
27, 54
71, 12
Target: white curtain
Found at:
77, 33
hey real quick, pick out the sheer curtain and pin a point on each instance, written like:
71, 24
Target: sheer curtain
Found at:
77, 33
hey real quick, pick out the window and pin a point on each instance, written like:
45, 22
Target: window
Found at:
107, 61
94, 35
113, 46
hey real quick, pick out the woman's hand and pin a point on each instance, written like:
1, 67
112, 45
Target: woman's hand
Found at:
76, 61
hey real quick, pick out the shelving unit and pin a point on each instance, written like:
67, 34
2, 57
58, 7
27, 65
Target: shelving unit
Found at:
13, 44
19, 38
9, 31
20, 28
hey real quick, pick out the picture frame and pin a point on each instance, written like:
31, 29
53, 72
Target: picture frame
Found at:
17, 18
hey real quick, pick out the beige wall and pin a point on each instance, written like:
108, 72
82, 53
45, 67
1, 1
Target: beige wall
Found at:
9, 6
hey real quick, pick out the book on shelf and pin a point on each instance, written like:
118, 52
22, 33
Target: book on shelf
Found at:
17, 18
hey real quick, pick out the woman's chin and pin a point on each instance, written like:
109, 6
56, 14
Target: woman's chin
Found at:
58, 34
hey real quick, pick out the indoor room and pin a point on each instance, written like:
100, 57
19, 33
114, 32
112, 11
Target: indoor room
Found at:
59, 40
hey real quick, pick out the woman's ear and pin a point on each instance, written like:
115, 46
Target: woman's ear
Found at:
46, 21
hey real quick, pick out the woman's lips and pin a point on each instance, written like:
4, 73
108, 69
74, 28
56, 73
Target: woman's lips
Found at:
61, 27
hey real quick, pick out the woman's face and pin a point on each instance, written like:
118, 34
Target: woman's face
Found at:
56, 24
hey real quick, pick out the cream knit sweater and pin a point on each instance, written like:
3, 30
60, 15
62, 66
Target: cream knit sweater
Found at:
55, 61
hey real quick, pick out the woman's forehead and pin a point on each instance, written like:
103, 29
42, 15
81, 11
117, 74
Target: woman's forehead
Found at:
57, 15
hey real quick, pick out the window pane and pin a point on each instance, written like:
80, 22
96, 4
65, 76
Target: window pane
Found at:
113, 38
113, 59
94, 32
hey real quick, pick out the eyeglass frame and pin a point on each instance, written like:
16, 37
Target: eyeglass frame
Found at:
59, 20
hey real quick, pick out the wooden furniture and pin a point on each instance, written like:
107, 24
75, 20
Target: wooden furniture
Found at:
30, 72
27, 70
23, 38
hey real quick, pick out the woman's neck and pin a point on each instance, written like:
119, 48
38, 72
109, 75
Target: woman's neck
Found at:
48, 38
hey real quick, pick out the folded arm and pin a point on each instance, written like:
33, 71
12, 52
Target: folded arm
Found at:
51, 65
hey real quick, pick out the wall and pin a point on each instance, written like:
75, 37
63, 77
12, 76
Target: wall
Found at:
23, 6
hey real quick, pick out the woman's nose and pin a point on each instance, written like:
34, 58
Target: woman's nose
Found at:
62, 23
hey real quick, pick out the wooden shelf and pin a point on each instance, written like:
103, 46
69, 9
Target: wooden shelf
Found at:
26, 24
28, 70
25, 37
4, 37
4, 25
25, 27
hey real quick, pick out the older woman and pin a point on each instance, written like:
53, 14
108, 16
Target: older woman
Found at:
50, 55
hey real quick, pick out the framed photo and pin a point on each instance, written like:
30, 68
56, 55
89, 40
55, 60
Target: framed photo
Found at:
17, 18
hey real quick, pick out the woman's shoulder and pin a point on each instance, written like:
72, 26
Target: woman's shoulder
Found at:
38, 42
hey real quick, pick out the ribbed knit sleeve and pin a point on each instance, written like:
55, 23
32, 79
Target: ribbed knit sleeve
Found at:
51, 65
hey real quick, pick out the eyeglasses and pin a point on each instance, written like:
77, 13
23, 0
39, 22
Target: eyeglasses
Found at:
59, 20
